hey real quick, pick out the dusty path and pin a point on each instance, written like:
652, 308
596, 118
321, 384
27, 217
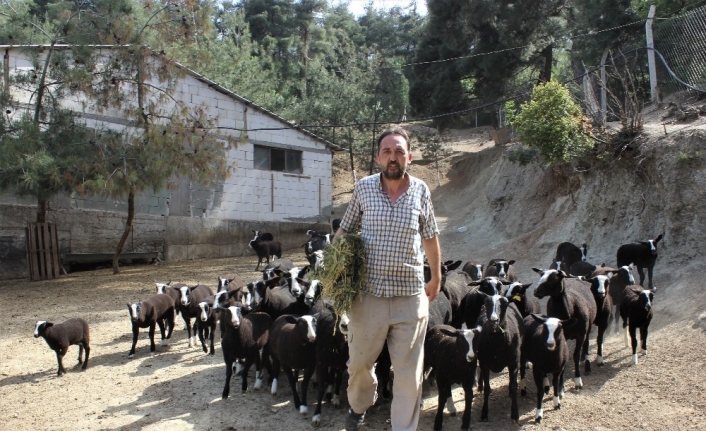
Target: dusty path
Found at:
179, 388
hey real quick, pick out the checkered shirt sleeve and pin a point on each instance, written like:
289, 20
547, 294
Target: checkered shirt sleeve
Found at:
392, 234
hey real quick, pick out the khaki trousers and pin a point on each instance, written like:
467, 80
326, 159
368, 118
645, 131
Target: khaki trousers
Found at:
401, 321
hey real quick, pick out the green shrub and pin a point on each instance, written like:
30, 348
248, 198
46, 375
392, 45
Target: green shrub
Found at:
554, 124
522, 155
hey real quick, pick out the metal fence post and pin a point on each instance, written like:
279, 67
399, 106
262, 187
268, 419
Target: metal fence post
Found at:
654, 90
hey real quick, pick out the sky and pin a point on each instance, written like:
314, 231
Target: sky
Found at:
357, 7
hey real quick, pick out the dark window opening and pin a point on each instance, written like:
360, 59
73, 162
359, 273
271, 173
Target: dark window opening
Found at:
276, 159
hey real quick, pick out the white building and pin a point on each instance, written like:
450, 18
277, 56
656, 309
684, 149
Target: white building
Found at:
280, 172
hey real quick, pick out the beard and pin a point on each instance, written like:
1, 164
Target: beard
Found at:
393, 171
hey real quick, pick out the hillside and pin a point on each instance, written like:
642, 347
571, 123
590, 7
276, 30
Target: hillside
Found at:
523, 212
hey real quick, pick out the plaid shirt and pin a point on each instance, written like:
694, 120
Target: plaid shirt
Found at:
392, 234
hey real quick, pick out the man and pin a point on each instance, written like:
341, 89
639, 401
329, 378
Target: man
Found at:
396, 217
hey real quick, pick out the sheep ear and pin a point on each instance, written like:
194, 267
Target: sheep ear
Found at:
636, 291
303, 282
610, 274
537, 270
478, 329
563, 274
455, 265
525, 287
538, 318
505, 281
474, 283
448, 332
658, 238
569, 323
511, 262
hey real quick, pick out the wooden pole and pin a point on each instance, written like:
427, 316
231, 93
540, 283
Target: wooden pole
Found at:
654, 89
604, 83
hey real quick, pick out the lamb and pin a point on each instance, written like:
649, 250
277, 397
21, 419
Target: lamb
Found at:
317, 242
292, 347
622, 277
568, 253
499, 347
452, 353
474, 269
335, 224
62, 335
600, 285
454, 285
265, 249
189, 299
491, 285
282, 264
230, 282
581, 268
517, 294
569, 298
206, 322
243, 338
636, 311
316, 260
155, 310
643, 255
545, 346
501, 268
331, 357
262, 236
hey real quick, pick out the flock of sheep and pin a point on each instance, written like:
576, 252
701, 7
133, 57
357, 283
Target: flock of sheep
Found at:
485, 321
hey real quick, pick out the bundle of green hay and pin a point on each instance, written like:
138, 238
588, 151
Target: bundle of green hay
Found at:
344, 271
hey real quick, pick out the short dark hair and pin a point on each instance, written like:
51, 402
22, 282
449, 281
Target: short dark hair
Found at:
395, 130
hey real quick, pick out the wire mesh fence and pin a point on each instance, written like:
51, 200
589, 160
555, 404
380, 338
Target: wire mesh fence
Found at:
682, 42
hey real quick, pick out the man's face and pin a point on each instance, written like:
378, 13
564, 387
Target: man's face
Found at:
393, 156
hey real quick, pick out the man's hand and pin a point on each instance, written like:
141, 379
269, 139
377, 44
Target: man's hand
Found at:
432, 289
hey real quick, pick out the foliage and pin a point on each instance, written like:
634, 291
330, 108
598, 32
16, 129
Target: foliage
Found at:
554, 124
344, 271
522, 154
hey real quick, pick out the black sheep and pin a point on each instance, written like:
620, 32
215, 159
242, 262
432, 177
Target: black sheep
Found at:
600, 286
636, 311
293, 347
643, 255
570, 298
243, 338
502, 269
517, 294
189, 299
452, 353
568, 253
331, 357
62, 335
474, 269
265, 250
545, 346
155, 310
499, 347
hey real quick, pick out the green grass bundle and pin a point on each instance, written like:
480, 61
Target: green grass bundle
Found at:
344, 272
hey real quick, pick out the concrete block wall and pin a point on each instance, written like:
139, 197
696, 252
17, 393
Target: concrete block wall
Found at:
175, 237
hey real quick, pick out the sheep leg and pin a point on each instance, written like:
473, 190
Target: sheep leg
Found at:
599, 345
88, 351
201, 329
321, 391
538, 379
444, 393
293, 384
80, 352
633, 340
523, 375
308, 372
643, 337
160, 322
338, 380
514, 409
60, 359
244, 374
649, 276
275, 374
577, 363
467, 384
584, 350
187, 321
616, 318
213, 331
485, 374
152, 346
170, 325
641, 271
229, 373
135, 333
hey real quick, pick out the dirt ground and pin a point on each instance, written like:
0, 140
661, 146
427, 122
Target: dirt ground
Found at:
179, 387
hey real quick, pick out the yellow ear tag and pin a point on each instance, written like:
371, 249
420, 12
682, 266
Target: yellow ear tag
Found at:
517, 298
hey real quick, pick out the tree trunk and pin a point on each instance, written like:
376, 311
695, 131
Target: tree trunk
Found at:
547, 53
128, 229
41, 210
